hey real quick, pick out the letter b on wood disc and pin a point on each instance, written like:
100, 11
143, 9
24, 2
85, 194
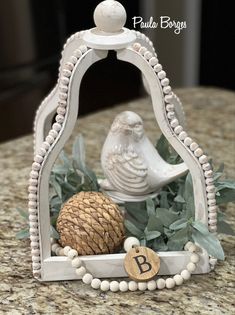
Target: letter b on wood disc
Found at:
141, 263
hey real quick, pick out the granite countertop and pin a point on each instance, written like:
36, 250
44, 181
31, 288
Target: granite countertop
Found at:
210, 116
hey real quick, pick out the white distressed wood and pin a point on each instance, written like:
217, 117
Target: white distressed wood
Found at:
111, 266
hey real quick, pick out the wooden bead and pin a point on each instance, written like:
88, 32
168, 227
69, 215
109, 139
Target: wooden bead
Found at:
188, 141
76, 262
153, 61
87, 278
198, 152
161, 75
130, 242
158, 67
66, 250
142, 286
167, 89
95, 283
104, 286
174, 123
206, 167
151, 285
203, 159
136, 46
165, 82
114, 286
81, 271
161, 283
191, 267
185, 274
178, 129
123, 286
194, 258
194, 146
183, 135
178, 279
141, 263
170, 283
72, 254
132, 285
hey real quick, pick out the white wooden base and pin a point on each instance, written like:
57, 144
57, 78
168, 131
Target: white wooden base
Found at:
111, 266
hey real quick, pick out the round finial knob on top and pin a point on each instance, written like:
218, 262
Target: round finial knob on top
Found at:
110, 16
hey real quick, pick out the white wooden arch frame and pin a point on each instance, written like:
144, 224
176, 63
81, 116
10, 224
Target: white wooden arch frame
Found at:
49, 141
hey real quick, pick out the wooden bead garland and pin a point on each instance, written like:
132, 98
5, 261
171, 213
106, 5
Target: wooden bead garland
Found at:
123, 286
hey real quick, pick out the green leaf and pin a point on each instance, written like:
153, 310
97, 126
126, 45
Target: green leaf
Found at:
178, 239
225, 195
23, 213
133, 229
228, 183
143, 242
179, 199
164, 200
78, 152
159, 244
22, 234
179, 224
225, 228
155, 224
209, 242
200, 227
163, 148
150, 207
166, 216
54, 233
151, 235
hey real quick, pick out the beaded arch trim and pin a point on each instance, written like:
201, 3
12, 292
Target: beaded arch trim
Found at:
63, 82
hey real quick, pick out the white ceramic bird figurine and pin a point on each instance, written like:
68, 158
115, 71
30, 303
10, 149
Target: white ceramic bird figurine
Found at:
131, 164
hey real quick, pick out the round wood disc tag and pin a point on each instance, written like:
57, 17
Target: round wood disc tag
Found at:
141, 263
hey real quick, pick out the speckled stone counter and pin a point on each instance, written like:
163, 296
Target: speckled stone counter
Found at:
211, 121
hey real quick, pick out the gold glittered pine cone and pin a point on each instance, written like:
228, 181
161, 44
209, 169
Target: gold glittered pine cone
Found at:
91, 223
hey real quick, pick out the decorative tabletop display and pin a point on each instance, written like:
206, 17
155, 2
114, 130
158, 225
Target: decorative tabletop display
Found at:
152, 218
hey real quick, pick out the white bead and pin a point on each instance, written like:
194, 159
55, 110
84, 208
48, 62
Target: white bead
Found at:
49, 139
174, 123
167, 89
198, 152
212, 222
66, 73
187, 245
170, 107
104, 286
136, 46
61, 252
61, 110
158, 67
148, 55
34, 238
183, 135
161, 74
38, 159
77, 53
209, 181
36, 265
142, 286
203, 159
211, 202
142, 50
213, 229
76, 262
35, 252
57, 127
161, 283
33, 218
212, 216
63, 96
123, 286
213, 209
168, 98
178, 129
95, 283
87, 278
170, 283
68, 65
178, 279
153, 61
63, 89
193, 146
34, 174
62, 103
73, 59
110, 16
54, 247
133, 286
72, 254
165, 82
65, 80
33, 231
57, 251
213, 261
208, 173
83, 49
130, 242
36, 166
33, 181
81, 271
32, 196
32, 204
60, 119
206, 167
192, 248
191, 267
33, 224
42, 151
53, 133
45, 145
151, 285
210, 188
114, 286
171, 115
66, 250
194, 258
185, 274
188, 141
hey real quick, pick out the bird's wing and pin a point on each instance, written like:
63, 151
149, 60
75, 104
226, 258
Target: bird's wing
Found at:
126, 170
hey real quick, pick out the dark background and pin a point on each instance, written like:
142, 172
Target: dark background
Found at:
32, 38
